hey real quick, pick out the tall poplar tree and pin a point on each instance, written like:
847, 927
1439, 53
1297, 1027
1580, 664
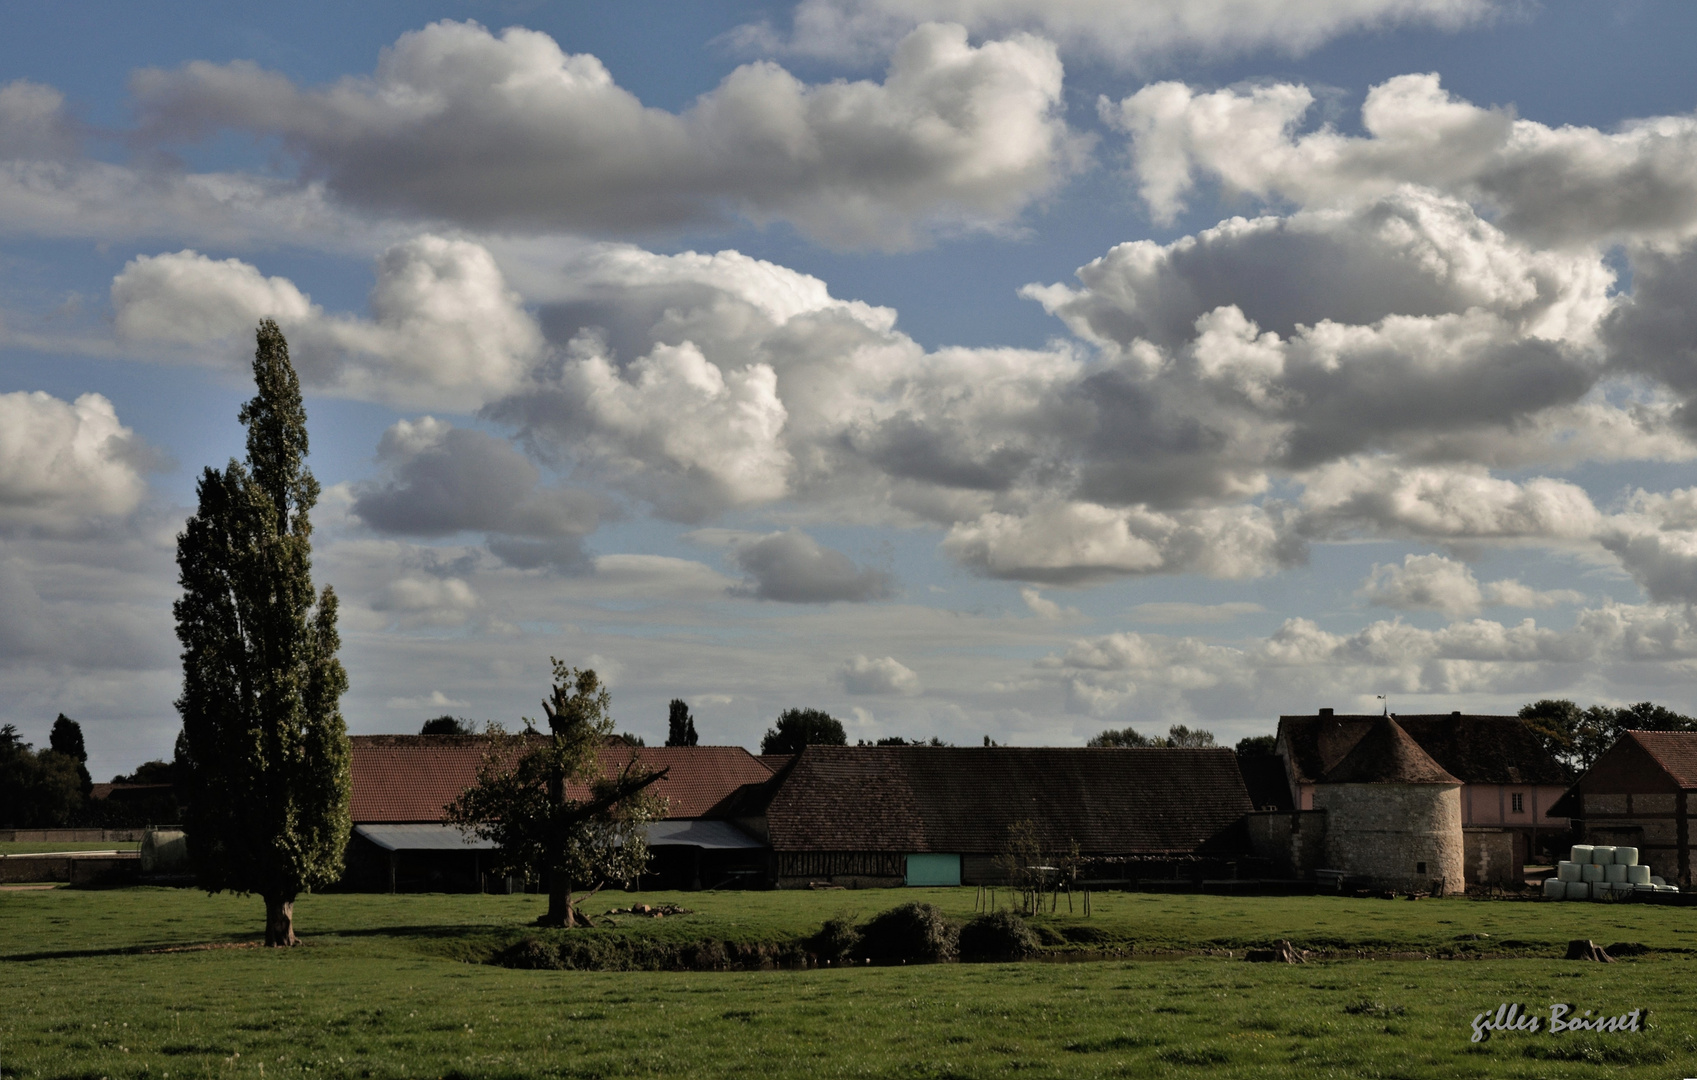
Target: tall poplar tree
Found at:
262, 723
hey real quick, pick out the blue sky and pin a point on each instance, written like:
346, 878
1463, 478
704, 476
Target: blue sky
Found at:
962, 367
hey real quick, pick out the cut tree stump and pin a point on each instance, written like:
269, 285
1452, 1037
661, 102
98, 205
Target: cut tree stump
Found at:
1584, 949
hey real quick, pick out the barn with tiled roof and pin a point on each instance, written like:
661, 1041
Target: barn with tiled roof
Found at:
942, 815
1640, 793
403, 783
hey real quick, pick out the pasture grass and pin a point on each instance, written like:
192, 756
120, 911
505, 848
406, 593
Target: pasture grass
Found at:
122, 984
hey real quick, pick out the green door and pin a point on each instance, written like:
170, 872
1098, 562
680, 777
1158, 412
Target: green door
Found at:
933, 869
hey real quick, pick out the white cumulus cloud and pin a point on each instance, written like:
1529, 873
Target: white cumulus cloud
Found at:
508, 130
66, 465
880, 675
1137, 34
444, 327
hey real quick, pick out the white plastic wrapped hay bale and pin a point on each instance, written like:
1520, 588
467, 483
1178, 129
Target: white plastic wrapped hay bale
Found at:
1625, 856
1599, 890
1646, 887
1591, 872
1638, 875
1555, 889
1581, 854
1615, 873
1568, 871
1656, 879
1603, 854
1578, 890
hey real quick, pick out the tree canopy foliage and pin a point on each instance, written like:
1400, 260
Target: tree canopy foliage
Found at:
680, 725
38, 790
554, 814
264, 738
797, 728
1177, 735
1577, 737
1257, 746
448, 725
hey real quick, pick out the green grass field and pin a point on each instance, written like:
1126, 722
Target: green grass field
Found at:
121, 984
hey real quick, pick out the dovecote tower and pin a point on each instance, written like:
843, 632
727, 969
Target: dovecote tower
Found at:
1393, 816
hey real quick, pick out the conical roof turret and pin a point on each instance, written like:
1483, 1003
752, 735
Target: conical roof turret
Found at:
1387, 755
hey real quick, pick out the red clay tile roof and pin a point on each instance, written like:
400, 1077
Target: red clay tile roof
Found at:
918, 799
412, 777
1475, 749
1675, 751
1638, 761
1387, 755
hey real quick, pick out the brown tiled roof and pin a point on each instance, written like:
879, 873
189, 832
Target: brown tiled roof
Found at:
1475, 749
1637, 762
1675, 751
412, 777
917, 799
775, 761
1387, 755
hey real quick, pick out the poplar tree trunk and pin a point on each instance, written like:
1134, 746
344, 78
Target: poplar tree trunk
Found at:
280, 922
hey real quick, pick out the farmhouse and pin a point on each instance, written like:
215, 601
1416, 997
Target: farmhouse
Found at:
931, 815
1640, 793
1420, 803
1509, 781
401, 784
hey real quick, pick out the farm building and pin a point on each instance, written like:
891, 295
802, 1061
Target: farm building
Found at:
1640, 793
1509, 781
869, 816
1393, 815
401, 783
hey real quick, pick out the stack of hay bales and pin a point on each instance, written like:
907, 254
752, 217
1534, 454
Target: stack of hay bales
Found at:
1598, 872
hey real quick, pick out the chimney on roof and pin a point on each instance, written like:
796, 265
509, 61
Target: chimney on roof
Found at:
1456, 713
1325, 712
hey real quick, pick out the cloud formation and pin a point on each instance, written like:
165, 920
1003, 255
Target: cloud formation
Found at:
444, 329
1139, 34
1561, 186
882, 675
66, 466
1436, 583
508, 131
439, 480
794, 568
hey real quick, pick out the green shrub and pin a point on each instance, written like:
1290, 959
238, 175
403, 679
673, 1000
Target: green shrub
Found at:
911, 932
835, 941
532, 953
998, 937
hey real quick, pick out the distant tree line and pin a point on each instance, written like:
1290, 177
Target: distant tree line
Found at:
50, 788
1177, 736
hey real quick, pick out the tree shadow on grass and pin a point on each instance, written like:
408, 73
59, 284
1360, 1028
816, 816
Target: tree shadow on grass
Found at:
244, 941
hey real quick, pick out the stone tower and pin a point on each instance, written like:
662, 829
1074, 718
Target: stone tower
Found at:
1393, 815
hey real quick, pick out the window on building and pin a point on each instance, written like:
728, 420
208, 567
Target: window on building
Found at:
1419, 868
1519, 805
